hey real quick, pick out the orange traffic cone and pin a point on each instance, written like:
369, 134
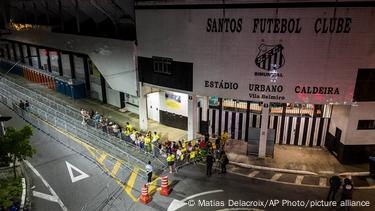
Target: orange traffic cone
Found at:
145, 198
164, 186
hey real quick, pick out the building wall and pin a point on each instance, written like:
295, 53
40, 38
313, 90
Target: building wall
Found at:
340, 119
79, 69
66, 65
54, 62
96, 90
11, 52
132, 103
113, 96
115, 59
34, 58
364, 111
328, 59
43, 59
24, 50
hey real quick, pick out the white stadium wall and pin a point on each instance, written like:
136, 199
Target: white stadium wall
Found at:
364, 111
238, 49
339, 118
113, 96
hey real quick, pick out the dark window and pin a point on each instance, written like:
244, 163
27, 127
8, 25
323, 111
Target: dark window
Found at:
365, 85
366, 125
162, 65
174, 74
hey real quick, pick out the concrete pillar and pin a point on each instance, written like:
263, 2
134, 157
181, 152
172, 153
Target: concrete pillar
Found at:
142, 108
263, 130
192, 117
204, 104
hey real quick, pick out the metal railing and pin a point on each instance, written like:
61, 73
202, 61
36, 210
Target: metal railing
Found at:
65, 118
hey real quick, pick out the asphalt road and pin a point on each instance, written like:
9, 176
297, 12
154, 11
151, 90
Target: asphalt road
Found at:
191, 180
98, 191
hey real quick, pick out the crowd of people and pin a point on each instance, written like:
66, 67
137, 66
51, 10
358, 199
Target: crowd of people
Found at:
145, 142
176, 153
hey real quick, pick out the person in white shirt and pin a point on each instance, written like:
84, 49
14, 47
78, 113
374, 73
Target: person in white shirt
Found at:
149, 170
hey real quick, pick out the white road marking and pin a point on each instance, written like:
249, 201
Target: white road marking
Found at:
74, 179
44, 196
299, 179
252, 174
276, 176
47, 185
23, 197
177, 204
323, 181
370, 181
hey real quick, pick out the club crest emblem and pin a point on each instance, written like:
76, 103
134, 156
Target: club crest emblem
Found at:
270, 57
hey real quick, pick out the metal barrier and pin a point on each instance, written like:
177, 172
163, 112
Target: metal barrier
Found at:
59, 105
61, 117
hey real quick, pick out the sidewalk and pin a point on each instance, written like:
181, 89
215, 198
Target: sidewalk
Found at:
312, 159
109, 111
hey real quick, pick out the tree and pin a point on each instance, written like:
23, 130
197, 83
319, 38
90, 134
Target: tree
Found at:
17, 144
4, 155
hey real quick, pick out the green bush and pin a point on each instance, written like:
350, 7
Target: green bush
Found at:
10, 190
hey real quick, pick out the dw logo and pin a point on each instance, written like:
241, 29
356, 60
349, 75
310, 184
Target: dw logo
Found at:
270, 57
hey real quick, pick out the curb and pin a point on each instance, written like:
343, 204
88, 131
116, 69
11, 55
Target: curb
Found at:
23, 196
28, 182
343, 174
274, 169
364, 173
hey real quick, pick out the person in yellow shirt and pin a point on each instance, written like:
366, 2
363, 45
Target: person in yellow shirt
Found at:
148, 143
154, 143
224, 137
192, 156
127, 132
170, 161
129, 127
155, 137
183, 152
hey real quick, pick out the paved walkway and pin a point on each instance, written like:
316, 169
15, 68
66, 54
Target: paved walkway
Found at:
320, 181
313, 159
